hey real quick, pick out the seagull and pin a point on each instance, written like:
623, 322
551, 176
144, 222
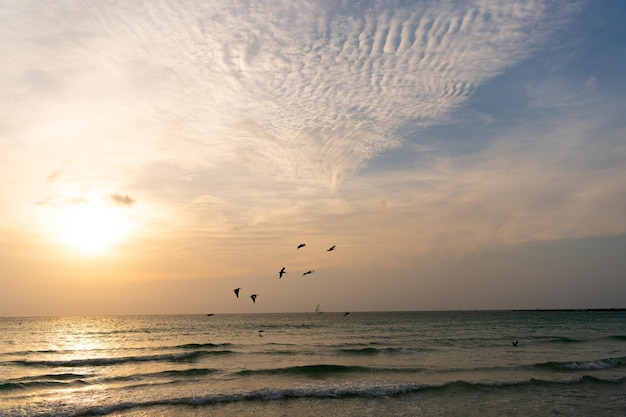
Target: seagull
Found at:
331, 248
515, 343
301, 245
253, 296
236, 291
281, 272
345, 314
308, 272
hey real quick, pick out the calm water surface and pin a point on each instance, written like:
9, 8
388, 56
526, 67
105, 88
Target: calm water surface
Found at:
314, 364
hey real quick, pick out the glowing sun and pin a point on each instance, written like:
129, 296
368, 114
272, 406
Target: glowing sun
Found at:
91, 227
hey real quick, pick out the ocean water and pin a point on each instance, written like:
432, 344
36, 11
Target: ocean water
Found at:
316, 364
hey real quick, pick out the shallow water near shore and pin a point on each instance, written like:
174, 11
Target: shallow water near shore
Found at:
313, 364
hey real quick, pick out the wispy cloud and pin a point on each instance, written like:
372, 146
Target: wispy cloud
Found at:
305, 92
243, 116
59, 201
557, 180
555, 94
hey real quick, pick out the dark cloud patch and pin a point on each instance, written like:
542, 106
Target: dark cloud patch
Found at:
54, 175
122, 200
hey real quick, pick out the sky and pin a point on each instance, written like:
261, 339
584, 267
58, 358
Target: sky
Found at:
155, 155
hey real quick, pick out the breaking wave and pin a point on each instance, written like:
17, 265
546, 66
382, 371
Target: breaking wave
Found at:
169, 357
584, 366
336, 391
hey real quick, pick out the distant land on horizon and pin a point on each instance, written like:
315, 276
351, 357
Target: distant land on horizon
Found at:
538, 310
571, 309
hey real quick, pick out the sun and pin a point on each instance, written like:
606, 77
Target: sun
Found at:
91, 227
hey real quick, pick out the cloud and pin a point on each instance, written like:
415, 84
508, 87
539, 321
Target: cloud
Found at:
557, 94
57, 200
54, 175
591, 83
60, 201
557, 180
122, 200
241, 117
306, 92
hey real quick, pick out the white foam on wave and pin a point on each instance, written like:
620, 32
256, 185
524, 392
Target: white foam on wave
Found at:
594, 365
320, 390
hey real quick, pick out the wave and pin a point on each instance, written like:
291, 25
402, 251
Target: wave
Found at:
170, 357
284, 352
55, 377
529, 383
176, 373
187, 346
335, 391
564, 340
375, 351
186, 372
28, 352
332, 369
324, 370
72, 379
10, 386
305, 370
556, 340
584, 366
361, 351
568, 340
43, 381
201, 345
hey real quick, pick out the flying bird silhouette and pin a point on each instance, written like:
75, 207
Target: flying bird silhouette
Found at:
236, 291
253, 296
281, 272
331, 248
308, 272
345, 314
515, 343
301, 245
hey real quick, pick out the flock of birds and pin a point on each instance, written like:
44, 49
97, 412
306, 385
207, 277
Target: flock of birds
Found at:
283, 272
310, 271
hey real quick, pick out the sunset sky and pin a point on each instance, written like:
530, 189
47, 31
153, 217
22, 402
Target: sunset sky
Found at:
155, 155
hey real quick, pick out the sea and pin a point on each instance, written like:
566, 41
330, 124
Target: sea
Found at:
454, 363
